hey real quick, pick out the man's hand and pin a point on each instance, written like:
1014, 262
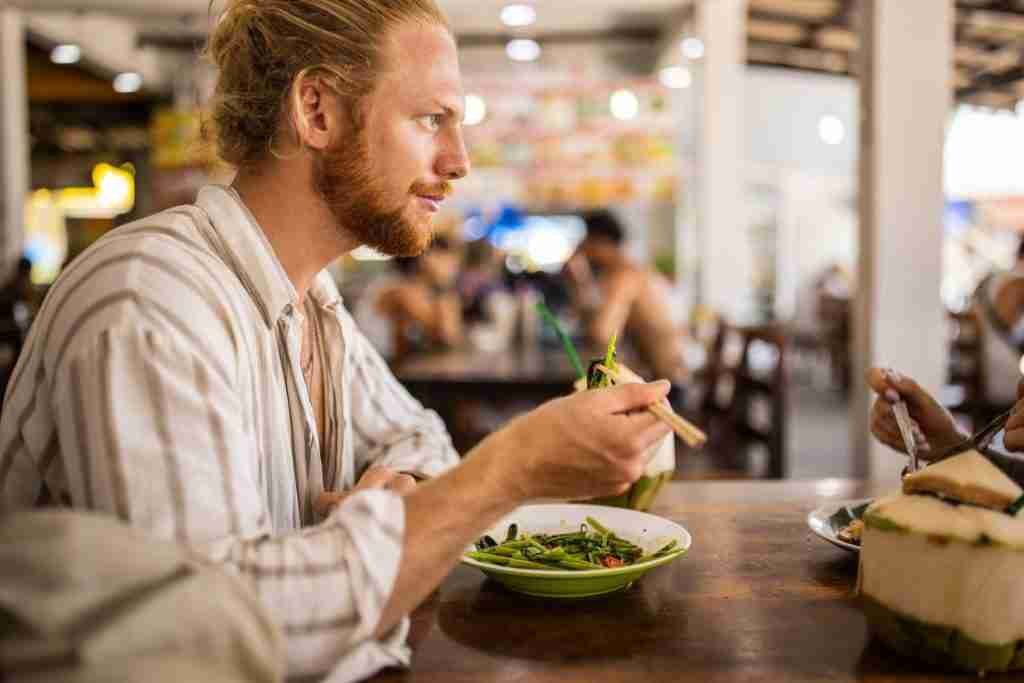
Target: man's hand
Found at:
375, 477
593, 443
934, 426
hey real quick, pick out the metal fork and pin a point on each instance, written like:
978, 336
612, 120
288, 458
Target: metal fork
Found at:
979, 440
899, 410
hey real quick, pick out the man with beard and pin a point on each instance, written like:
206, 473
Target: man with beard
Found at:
196, 375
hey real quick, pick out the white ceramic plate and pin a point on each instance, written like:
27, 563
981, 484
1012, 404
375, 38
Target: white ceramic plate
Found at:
650, 532
827, 520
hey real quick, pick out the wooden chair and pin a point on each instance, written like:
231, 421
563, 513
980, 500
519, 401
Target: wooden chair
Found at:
834, 318
965, 393
744, 403
759, 407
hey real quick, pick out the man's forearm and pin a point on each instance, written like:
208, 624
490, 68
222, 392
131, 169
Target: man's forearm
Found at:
442, 516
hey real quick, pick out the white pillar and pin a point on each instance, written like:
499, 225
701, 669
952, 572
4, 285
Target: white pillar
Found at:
907, 53
726, 259
14, 153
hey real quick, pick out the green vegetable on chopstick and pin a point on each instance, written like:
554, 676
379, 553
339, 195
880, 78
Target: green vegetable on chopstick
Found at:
596, 379
594, 546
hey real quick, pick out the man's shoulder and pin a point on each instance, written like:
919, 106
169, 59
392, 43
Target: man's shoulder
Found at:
175, 232
157, 270
149, 255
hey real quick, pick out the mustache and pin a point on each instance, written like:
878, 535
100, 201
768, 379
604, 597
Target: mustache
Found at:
442, 189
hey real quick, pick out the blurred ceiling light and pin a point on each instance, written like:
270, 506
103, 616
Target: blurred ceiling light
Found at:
68, 53
476, 110
676, 77
624, 105
517, 16
116, 186
522, 50
831, 130
127, 82
693, 48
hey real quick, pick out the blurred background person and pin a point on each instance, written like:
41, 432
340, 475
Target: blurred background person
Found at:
488, 307
18, 303
999, 305
615, 296
418, 308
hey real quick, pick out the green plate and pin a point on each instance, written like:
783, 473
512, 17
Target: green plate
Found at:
647, 531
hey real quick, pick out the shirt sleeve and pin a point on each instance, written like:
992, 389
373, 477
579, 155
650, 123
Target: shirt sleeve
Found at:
391, 427
153, 431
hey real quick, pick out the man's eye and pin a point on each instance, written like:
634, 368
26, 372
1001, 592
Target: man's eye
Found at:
432, 121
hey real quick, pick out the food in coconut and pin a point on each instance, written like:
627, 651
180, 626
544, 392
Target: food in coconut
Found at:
942, 567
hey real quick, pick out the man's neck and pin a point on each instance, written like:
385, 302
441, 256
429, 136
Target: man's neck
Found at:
300, 228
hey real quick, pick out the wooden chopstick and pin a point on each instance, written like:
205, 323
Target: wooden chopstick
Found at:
687, 431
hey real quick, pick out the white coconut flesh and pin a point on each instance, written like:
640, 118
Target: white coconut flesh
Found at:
969, 477
945, 565
941, 566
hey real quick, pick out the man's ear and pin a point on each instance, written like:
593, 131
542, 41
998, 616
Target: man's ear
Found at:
316, 113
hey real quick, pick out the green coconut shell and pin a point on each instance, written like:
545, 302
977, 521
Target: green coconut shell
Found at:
942, 646
640, 495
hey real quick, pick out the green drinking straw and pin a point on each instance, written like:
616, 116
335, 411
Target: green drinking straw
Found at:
570, 350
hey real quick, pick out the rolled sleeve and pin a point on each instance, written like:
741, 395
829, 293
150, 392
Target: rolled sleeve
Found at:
159, 441
327, 586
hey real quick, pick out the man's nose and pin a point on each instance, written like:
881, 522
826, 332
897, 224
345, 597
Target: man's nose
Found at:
453, 162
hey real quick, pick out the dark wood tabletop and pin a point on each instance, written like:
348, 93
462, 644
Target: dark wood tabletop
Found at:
522, 365
757, 598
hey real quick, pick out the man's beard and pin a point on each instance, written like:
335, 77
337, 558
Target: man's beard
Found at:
344, 179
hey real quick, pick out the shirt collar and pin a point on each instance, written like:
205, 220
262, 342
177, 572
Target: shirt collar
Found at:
249, 252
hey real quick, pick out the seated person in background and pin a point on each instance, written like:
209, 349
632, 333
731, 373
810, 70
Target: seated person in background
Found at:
18, 295
934, 427
488, 308
420, 308
17, 308
999, 305
480, 279
615, 296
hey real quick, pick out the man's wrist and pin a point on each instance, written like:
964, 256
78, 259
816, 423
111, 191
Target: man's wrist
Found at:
502, 471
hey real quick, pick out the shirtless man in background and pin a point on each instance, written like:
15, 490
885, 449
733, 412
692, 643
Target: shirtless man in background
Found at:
616, 296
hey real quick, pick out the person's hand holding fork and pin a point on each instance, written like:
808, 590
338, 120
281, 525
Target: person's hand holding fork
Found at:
933, 426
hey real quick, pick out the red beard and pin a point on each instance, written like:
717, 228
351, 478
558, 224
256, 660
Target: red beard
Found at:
342, 177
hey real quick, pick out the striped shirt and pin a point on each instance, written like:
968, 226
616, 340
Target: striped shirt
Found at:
161, 383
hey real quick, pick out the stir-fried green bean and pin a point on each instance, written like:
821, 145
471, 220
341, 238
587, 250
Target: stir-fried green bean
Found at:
594, 546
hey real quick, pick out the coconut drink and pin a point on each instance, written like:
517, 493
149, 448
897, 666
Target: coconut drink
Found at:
941, 574
661, 458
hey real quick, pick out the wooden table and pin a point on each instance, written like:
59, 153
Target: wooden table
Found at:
456, 383
757, 598
529, 370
